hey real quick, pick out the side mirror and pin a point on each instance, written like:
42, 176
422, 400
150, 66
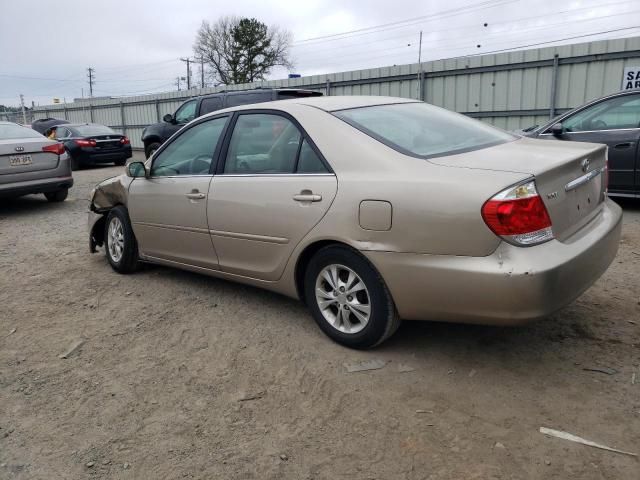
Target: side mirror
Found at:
136, 170
168, 118
557, 130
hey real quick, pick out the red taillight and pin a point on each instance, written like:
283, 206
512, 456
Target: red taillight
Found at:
85, 143
518, 215
56, 148
125, 141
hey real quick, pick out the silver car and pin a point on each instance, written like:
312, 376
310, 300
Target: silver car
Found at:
31, 163
370, 210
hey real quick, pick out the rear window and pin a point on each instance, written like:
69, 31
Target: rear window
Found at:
423, 130
11, 132
88, 130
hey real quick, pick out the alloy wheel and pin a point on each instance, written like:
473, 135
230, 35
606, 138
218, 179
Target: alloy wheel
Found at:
116, 239
343, 298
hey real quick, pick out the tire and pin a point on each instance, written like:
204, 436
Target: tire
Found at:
382, 320
57, 196
123, 257
149, 149
120, 163
76, 164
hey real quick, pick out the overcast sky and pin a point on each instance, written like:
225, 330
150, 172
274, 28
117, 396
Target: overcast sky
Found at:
134, 45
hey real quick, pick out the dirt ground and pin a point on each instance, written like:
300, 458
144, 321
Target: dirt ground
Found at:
184, 376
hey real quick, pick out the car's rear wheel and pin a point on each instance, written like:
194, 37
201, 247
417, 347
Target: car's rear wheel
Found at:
349, 299
152, 147
57, 196
76, 164
120, 243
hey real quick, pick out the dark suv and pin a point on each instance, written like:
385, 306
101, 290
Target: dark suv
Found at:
154, 135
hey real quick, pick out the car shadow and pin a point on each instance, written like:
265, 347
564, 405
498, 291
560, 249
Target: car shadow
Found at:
36, 203
522, 344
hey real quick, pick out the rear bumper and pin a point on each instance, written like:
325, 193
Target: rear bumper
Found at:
105, 157
512, 286
28, 187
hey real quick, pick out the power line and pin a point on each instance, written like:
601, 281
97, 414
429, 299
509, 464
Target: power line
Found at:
401, 23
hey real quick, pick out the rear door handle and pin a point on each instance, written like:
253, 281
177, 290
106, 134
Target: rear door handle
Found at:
196, 195
307, 197
621, 146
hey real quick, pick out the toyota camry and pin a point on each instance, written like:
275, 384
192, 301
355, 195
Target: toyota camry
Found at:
369, 210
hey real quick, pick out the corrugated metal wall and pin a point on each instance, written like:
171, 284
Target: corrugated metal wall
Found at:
510, 90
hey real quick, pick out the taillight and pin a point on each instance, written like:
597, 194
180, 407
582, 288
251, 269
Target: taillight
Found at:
518, 215
56, 148
85, 143
125, 141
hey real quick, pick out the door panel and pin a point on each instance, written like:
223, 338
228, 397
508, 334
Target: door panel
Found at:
169, 217
623, 154
256, 222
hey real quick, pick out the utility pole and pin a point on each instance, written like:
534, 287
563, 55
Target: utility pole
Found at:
24, 114
178, 82
91, 80
187, 60
420, 68
202, 72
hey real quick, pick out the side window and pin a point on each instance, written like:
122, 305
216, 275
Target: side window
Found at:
615, 113
211, 104
62, 132
247, 98
191, 153
309, 162
186, 112
263, 143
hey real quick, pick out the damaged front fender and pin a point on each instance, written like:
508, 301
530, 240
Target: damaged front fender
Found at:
106, 195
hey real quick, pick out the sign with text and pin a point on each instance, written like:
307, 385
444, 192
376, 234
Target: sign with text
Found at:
631, 78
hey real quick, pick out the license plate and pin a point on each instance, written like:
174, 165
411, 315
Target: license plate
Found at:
20, 160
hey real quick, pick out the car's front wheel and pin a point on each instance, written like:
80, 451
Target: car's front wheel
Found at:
349, 299
120, 243
57, 196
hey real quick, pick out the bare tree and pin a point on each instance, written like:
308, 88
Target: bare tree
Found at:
241, 50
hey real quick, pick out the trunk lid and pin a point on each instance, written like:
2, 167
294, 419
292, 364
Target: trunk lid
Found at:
26, 155
570, 176
106, 142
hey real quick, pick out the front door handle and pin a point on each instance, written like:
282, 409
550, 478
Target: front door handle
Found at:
621, 146
307, 197
195, 195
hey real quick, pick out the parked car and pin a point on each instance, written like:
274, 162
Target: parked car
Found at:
91, 143
613, 120
43, 125
154, 135
31, 163
369, 209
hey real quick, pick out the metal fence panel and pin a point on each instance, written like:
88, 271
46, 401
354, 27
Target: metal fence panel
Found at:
510, 90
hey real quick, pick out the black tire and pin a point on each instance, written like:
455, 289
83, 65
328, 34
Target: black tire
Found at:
76, 164
383, 320
120, 162
128, 261
149, 149
57, 196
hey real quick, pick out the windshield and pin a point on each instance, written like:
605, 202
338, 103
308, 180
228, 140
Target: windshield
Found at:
10, 131
423, 130
87, 130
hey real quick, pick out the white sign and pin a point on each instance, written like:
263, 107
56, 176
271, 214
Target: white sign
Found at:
631, 78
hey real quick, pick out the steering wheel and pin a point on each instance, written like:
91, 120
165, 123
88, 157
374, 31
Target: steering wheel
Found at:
599, 125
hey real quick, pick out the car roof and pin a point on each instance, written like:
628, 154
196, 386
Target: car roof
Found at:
328, 104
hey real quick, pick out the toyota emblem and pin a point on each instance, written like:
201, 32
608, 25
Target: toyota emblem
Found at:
585, 165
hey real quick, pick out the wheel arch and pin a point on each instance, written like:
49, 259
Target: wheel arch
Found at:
307, 254
96, 236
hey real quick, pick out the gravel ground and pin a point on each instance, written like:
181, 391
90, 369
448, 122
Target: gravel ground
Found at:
185, 376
